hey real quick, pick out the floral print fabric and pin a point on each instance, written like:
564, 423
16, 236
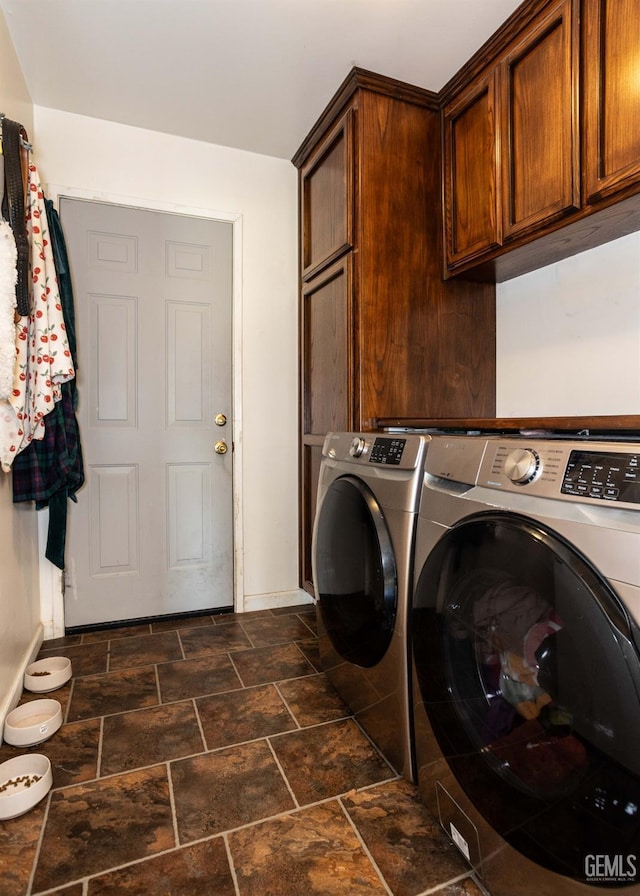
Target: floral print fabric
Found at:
43, 358
9, 426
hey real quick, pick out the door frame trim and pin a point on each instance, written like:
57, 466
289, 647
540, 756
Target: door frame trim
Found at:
51, 578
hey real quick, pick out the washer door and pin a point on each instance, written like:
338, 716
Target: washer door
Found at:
527, 663
355, 572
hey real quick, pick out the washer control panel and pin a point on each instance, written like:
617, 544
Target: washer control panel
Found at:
554, 468
605, 476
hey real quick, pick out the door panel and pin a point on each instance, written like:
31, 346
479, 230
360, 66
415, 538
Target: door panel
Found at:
152, 532
539, 142
611, 102
327, 354
472, 209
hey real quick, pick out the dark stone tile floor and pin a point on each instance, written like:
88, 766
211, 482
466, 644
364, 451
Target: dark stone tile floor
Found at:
212, 757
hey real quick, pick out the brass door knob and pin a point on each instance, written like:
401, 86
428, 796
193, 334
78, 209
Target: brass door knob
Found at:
220, 420
220, 447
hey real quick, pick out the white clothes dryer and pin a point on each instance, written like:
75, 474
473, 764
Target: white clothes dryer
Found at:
362, 556
526, 659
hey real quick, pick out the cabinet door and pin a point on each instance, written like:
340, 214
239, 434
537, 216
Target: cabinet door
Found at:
472, 218
326, 196
611, 96
328, 399
539, 132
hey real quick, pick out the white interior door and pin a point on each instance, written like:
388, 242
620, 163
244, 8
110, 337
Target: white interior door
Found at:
152, 532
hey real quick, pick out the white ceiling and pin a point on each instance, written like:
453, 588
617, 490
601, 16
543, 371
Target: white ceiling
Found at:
249, 74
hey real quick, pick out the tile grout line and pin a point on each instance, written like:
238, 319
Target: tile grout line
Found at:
364, 846
182, 650
282, 772
100, 746
199, 722
232, 864
36, 857
439, 888
65, 720
158, 688
286, 703
172, 803
235, 669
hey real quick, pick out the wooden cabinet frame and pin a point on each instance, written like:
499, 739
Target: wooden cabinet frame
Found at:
336, 200
611, 138
472, 205
523, 209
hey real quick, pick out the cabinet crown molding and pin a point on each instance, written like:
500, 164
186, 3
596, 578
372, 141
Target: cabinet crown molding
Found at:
491, 49
361, 79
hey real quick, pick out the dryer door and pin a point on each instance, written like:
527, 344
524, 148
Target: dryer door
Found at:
355, 572
527, 664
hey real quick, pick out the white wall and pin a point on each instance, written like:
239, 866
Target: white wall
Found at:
99, 159
568, 336
20, 630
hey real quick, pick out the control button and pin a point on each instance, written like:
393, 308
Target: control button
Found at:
522, 465
358, 447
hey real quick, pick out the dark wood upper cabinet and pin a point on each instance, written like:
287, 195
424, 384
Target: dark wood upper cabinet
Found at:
539, 137
611, 86
564, 115
511, 137
472, 212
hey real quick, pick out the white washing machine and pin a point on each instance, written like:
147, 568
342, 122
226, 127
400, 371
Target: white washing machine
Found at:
362, 553
526, 659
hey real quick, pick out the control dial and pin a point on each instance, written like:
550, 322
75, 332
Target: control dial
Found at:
522, 465
358, 447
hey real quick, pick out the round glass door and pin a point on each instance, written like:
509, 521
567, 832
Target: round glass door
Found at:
527, 663
356, 581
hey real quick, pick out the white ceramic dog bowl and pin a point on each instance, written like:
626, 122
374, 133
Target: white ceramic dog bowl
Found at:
47, 674
32, 722
24, 781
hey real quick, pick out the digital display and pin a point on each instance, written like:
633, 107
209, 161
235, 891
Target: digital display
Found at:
387, 451
609, 477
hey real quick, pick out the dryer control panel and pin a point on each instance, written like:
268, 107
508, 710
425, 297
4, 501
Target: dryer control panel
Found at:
400, 452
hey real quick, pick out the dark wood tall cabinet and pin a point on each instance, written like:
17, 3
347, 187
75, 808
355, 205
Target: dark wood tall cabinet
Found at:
381, 333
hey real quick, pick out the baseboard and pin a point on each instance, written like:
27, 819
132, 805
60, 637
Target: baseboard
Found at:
14, 692
276, 599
